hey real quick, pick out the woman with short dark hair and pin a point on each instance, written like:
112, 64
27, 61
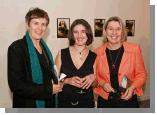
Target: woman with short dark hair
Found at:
30, 65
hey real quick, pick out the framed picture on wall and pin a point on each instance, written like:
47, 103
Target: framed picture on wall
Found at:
98, 27
130, 27
63, 25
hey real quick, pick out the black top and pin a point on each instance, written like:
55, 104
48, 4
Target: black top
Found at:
69, 68
46, 70
69, 92
42, 61
114, 57
45, 66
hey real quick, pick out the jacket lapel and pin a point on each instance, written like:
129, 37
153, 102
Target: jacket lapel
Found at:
105, 62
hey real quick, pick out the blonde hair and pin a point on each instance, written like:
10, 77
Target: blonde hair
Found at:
119, 20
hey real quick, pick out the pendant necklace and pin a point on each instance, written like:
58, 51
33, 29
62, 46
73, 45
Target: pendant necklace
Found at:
80, 52
113, 62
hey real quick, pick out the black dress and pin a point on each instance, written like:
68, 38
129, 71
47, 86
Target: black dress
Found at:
71, 96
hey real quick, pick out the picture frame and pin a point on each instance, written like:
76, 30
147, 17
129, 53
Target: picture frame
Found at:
63, 25
130, 27
98, 27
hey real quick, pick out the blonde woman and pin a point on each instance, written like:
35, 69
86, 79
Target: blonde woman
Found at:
120, 68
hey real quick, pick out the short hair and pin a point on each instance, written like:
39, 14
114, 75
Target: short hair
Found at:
119, 20
88, 30
36, 13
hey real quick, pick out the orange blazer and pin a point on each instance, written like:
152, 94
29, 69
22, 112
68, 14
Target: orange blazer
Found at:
131, 65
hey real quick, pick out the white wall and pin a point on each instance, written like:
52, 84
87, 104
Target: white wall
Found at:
12, 27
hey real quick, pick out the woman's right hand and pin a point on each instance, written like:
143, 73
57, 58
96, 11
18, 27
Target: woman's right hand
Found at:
75, 81
107, 87
57, 88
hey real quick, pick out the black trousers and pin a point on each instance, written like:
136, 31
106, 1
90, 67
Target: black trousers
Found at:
118, 103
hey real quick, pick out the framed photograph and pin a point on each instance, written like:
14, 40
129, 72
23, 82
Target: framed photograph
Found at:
63, 25
130, 27
98, 27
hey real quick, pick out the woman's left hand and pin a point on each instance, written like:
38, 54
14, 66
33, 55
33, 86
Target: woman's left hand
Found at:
87, 81
128, 93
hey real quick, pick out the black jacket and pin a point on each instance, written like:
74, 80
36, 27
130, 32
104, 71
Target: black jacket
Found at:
25, 92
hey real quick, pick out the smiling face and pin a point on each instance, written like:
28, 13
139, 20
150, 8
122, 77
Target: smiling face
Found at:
79, 33
113, 32
37, 28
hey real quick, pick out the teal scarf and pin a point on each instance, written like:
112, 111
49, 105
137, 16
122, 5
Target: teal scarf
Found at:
37, 75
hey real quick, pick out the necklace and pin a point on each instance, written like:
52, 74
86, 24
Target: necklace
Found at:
114, 62
80, 52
